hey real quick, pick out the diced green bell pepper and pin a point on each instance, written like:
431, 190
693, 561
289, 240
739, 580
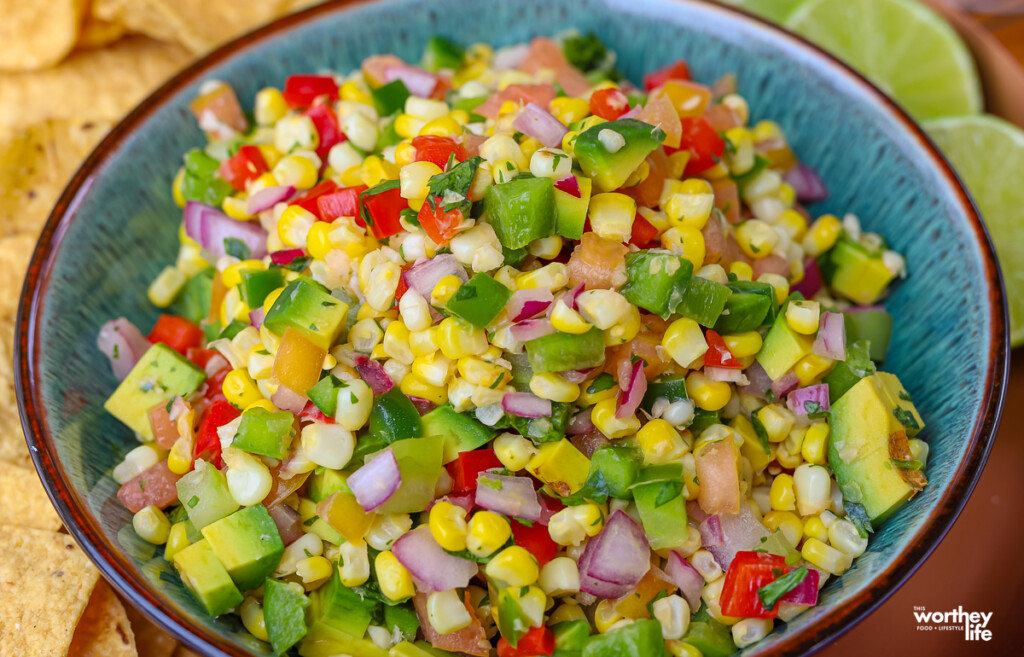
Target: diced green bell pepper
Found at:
570, 637
265, 433
671, 387
750, 306
703, 301
419, 462
521, 211
872, 326
325, 394
193, 301
640, 638
619, 463
562, 351
711, 637
402, 617
662, 509
656, 280
702, 420
325, 482
258, 283
390, 98
461, 431
394, 417
284, 610
442, 54
201, 182
571, 210
479, 300
544, 429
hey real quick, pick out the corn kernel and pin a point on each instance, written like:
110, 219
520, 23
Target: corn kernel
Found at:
408, 126
794, 223
414, 386
741, 270
394, 580
782, 495
756, 238
802, 316
446, 612
743, 344
786, 522
514, 567
445, 290
778, 283
513, 451
481, 373
177, 540
845, 537
567, 320
270, 106
684, 341
814, 528
605, 616
611, 215
660, 442
813, 489
707, 394
151, 525
414, 178
294, 224
448, 526
559, 577
815, 444
553, 276
822, 235
296, 171
811, 368
166, 286
569, 110
603, 417
458, 339
405, 153
240, 389
254, 619
486, 533
825, 557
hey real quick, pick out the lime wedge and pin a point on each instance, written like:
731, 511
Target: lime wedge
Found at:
773, 10
902, 46
988, 153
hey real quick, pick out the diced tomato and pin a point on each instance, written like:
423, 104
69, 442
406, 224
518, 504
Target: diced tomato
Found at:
715, 242
772, 264
207, 446
598, 263
200, 356
156, 486
327, 128
748, 572
705, 145
215, 385
311, 412
538, 641
301, 90
717, 466
441, 226
468, 467
218, 112
647, 193
727, 199
643, 232
520, 94
718, 355
535, 539
342, 203
609, 104
402, 288
677, 70
245, 165
437, 149
385, 210
470, 640
177, 333
165, 433
546, 54
311, 199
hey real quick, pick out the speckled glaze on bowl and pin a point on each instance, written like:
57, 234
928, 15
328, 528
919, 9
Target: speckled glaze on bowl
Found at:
115, 227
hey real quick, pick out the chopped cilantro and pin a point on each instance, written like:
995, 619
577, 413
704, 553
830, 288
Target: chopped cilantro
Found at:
237, 248
770, 594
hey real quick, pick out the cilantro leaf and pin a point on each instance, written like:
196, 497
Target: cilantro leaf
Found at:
770, 594
237, 248
452, 187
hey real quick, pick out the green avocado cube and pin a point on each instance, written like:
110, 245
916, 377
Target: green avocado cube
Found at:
258, 283
662, 513
309, 308
563, 351
204, 495
339, 612
608, 164
267, 433
783, 348
325, 394
248, 544
856, 273
656, 280
671, 387
571, 211
284, 611
325, 482
461, 431
160, 375
419, 462
394, 417
479, 301
521, 210
206, 578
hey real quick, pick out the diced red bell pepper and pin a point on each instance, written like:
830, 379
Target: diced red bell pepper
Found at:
402, 288
385, 210
207, 445
245, 165
301, 90
326, 124
342, 203
748, 572
468, 467
437, 149
311, 412
536, 539
200, 357
718, 355
609, 104
537, 642
177, 333
705, 145
440, 225
678, 70
311, 199
643, 231
215, 385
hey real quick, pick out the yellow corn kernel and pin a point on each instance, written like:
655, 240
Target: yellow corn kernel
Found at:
605, 616
254, 619
678, 648
815, 528
481, 373
777, 421
788, 523
445, 126
568, 611
822, 235
707, 394
513, 451
318, 242
514, 567
375, 170
611, 215
825, 557
459, 116
603, 417
567, 320
684, 341
458, 339
405, 153
396, 343
815, 445
743, 344
235, 207
590, 395
177, 540
794, 223
165, 287
151, 525
687, 242
355, 92
487, 532
423, 343
660, 442
803, 316
240, 389
568, 142
551, 386
179, 459
445, 290
408, 126
569, 110
395, 581
811, 368
757, 238
270, 106
590, 122
677, 163
503, 147
413, 385
265, 404
546, 248
414, 178
294, 225
529, 146
296, 171
448, 526
690, 204
232, 275
782, 495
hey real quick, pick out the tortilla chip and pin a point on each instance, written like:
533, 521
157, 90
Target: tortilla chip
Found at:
92, 85
45, 584
97, 33
150, 639
103, 630
38, 34
14, 256
23, 502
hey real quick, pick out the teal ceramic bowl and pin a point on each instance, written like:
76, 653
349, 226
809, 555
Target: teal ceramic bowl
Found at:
116, 225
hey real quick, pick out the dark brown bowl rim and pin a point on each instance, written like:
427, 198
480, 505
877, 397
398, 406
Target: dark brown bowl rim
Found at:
113, 563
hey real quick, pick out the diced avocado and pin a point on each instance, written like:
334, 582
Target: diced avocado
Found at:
207, 579
856, 273
248, 544
325, 394
609, 169
324, 482
703, 301
204, 495
753, 449
258, 283
314, 524
619, 463
461, 431
570, 637
783, 348
479, 300
662, 509
873, 326
309, 308
656, 280
394, 418
267, 433
750, 306
441, 54
419, 462
570, 211
284, 611
562, 351
671, 387
864, 421
343, 645
390, 98
521, 210
848, 372
160, 375
338, 612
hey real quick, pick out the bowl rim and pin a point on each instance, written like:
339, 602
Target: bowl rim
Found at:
114, 562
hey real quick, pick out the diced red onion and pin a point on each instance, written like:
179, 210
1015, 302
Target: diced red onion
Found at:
123, 343
812, 281
727, 374
570, 185
286, 256
210, 227
267, 198
782, 387
528, 303
633, 393
615, 560
633, 112
424, 275
858, 309
817, 394
416, 80
490, 414
831, 340
804, 593
512, 496
288, 400
375, 482
574, 295
511, 57
535, 121
760, 382
289, 523
525, 404
549, 506
711, 531
695, 513
429, 564
257, 316
581, 423
462, 500
740, 531
806, 182
686, 577
575, 376
374, 375
531, 329
423, 406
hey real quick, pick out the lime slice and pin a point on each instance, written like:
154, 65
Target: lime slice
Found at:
988, 153
773, 10
902, 46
